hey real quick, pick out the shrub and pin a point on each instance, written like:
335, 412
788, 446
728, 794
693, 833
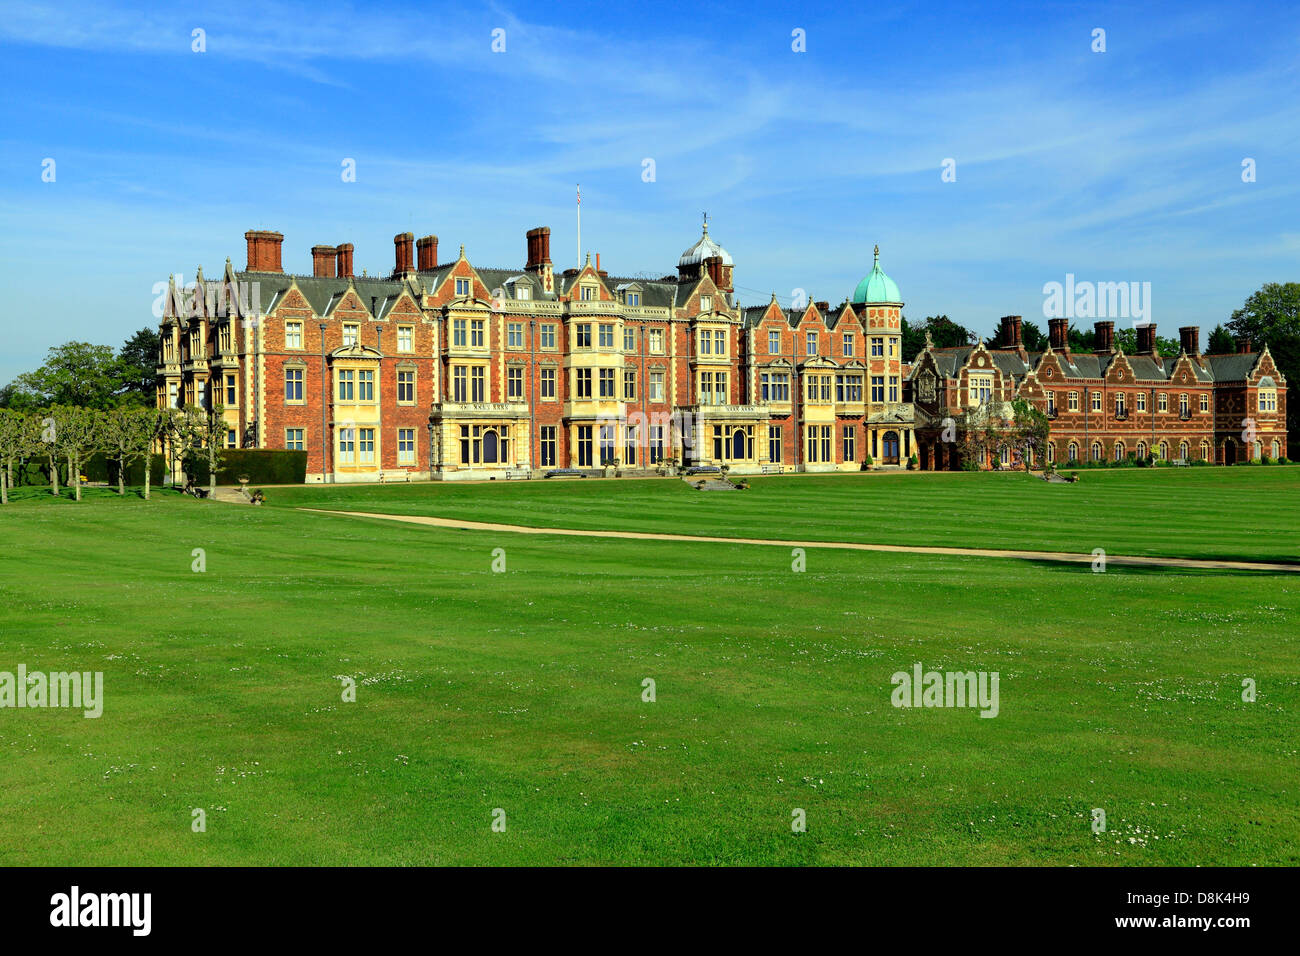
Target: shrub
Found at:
260, 465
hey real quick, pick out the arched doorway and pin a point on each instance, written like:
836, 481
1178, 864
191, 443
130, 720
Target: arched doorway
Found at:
1229, 451
889, 448
489, 447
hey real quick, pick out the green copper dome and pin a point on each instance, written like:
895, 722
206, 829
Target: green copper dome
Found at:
876, 287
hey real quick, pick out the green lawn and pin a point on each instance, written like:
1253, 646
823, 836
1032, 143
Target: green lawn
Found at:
522, 690
1247, 513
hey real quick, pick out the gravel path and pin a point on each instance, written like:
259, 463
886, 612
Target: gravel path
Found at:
1065, 557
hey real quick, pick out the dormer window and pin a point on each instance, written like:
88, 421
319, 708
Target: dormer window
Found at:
523, 292
587, 293
634, 298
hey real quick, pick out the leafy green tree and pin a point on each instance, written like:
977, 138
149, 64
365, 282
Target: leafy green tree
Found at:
74, 373
1272, 316
1221, 342
15, 437
139, 362
129, 434
944, 333
77, 434
1034, 339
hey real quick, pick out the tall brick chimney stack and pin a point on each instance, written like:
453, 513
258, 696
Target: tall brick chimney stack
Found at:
324, 260
264, 250
404, 253
1104, 336
1058, 334
427, 249
1243, 344
345, 260
539, 256
1146, 344
1189, 337
1012, 328
539, 248
713, 266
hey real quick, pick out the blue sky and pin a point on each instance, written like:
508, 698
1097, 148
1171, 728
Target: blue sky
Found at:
1115, 166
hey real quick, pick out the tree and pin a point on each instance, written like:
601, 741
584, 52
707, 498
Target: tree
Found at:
76, 437
1221, 342
1032, 337
129, 435
1028, 430
139, 362
13, 444
75, 373
209, 429
197, 432
48, 428
1272, 316
944, 332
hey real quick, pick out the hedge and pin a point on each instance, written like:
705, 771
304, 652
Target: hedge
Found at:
262, 466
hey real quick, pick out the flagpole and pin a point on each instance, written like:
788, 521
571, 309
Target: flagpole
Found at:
579, 225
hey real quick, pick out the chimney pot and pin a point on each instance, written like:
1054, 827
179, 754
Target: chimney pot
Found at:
324, 260
1104, 335
345, 260
264, 250
1011, 332
404, 260
1146, 339
1190, 339
427, 249
1058, 331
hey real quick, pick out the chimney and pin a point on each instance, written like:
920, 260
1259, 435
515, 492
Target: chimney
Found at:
264, 250
426, 249
539, 248
1011, 329
1189, 337
403, 244
345, 260
1104, 336
822, 306
323, 261
1243, 344
1146, 344
1058, 334
713, 266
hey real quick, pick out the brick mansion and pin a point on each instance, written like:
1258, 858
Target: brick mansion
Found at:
447, 370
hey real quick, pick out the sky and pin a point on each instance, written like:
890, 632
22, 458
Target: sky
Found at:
1115, 165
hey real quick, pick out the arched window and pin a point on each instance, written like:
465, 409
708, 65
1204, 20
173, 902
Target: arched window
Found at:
1205, 450
1051, 452
1162, 451
1004, 455
1183, 449
1277, 449
1259, 447
1096, 451
1074, 451
1119, 451
1142, 449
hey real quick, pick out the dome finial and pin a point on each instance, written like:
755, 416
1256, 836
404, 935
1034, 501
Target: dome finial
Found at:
877, 253
706, 223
